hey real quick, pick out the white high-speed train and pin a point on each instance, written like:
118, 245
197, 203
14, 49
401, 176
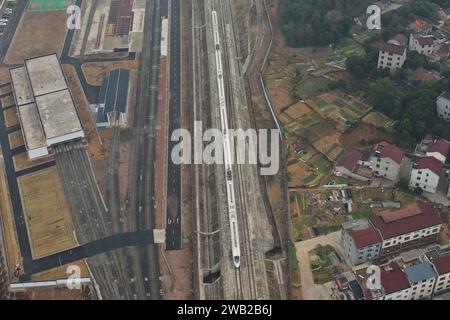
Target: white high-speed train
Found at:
236, 250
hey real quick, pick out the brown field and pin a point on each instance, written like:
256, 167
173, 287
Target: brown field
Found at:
297, 110
11, 117
9, 229
371, 135
60, 272
16, 139
46, 213
96, 148
285, 118
299, 171
8, 101
21, 161
39, 33
95, 72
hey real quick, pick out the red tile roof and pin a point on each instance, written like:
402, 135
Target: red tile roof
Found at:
424, 41
424, 75
401, 39
442, 264
366, 237
442, 146
430, 163
393, 280
427, 218
350, 159
387, 150
399, 214
392, 48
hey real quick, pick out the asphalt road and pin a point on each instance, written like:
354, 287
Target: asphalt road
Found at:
174, 218
19, 219
90, 249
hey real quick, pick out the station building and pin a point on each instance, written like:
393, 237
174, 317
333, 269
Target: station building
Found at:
45, 105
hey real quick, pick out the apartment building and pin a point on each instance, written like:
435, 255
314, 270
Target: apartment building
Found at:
443, 105
422, 44
426, 174
391, 56
386, 160
360, 241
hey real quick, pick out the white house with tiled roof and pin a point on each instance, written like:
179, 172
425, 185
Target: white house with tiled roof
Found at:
443, 105
391, 56
422, 44
386, 160
426, 174
442, 267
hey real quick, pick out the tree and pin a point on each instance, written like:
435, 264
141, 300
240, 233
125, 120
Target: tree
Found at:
384, 98
403, 184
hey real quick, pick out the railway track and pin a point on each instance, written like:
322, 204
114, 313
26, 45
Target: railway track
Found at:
91, 218
246, 269
140, 206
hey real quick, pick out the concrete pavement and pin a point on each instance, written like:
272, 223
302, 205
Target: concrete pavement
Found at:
310, 290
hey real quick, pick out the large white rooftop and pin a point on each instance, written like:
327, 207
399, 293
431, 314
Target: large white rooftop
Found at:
45, 105
45, 74
58, 114
22, 86
31, 125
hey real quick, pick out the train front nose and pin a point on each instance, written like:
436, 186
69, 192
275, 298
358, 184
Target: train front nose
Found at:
237, 261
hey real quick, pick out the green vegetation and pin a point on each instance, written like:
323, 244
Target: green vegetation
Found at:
366, 214
294, 261
49, 5
323, 266
318, 22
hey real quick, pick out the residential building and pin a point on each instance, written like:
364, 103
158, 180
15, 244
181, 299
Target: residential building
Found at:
443, 105
386, 161
444, 14
412, 275
391, 56
422, 44
442, 267
349, 166
426, 174
414, 225
422, 278
394, 282
360, 241
389, 232
435, 147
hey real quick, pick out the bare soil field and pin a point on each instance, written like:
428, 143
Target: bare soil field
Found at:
8, 101
95, 72
363, 136
46, 213
16, 139
297, 110
9, 232
11, 117
39, 33
61, 272
21, 161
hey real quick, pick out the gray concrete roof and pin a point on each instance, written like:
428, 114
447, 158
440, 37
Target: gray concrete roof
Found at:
58, 114
420, 272
32, 129
45, 74
22, 86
